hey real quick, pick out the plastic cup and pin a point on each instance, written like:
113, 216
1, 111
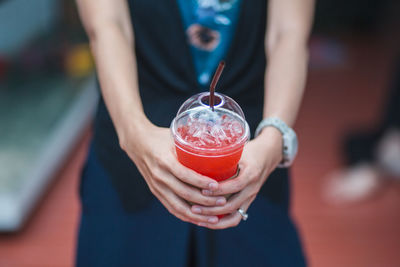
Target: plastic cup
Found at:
210, 142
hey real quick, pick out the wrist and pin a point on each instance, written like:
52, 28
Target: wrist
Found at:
271, 140
289, 143
271, 135
131, 129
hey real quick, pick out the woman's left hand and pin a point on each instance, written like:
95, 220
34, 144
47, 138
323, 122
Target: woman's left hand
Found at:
260, 157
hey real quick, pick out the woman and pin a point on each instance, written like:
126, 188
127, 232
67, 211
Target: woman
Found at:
151, 56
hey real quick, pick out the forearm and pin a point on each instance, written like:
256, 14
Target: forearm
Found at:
108, 25
289, 25
116, 67
285, 79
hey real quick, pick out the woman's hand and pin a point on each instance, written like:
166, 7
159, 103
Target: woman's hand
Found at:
260, 157
152, 150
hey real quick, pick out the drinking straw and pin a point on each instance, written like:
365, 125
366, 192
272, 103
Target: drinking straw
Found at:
214, 81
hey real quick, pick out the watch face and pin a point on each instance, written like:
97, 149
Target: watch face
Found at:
290, 146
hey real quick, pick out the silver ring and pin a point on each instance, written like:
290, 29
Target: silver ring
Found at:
244, 215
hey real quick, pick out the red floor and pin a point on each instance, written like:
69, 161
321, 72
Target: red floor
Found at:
337, 99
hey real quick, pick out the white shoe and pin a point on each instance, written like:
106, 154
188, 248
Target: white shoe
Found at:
351, 185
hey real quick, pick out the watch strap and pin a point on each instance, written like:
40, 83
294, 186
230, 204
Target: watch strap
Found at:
289, 138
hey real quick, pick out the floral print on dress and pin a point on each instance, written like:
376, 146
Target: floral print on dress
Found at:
209, 28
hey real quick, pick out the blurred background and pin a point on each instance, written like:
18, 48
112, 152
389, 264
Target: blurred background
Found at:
347, 215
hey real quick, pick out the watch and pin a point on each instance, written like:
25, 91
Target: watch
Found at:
290, 143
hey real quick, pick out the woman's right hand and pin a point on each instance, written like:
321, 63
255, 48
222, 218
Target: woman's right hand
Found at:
151, 148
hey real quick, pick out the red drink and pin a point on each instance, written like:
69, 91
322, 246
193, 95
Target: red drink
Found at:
206, 154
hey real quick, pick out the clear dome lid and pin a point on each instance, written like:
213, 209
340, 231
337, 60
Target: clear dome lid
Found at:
221, 101
225, 128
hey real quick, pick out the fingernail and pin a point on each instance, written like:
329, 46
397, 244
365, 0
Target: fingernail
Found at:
202, 224
221, 201
196, 209
206, 192
213, 186
213, 220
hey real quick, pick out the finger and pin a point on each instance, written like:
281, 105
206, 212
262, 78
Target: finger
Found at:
181, 209
168, 204
231, 186
234, 203
229, 221
190, 193
191, 177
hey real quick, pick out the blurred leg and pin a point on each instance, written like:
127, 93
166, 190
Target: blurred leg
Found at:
360, 147
392, 113
368, 154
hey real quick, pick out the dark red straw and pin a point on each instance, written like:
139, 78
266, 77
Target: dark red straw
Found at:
214, 81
